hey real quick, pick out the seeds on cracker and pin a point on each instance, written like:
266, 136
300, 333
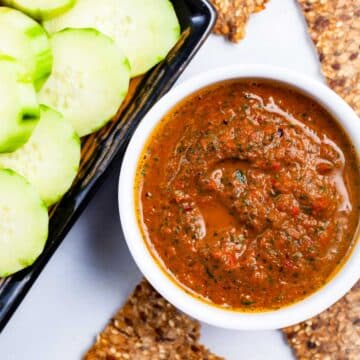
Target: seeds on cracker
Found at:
334, 26
233, 16
149, 328
332, 335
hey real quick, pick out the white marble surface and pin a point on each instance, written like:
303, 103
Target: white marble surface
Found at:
92, 272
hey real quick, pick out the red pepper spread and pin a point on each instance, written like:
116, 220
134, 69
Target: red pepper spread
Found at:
248, 193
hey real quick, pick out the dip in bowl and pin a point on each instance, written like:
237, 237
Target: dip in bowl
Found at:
239, 197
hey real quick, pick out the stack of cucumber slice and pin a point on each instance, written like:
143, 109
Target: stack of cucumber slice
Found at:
60, 80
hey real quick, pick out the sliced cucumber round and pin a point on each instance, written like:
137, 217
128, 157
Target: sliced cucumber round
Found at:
25, 40
89, 81
50, 159
144, 30
19, 109
41, 9
23, 225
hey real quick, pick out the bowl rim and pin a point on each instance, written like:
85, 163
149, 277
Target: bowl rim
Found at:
339, 285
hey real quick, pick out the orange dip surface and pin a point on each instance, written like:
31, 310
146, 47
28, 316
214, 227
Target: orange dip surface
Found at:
248, 194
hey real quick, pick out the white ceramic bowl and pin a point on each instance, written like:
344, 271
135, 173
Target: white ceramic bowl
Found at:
168, 288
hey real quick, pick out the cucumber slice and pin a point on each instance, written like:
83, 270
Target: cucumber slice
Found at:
23, 225
89, 81
19, 110
41, 9
144, 30
25, 40
50, 159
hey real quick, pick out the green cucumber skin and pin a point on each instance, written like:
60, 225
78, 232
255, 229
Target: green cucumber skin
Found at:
50, 159
36, 55
145, 33
13, 142
38, 13
25, 109
23, 239
44, 59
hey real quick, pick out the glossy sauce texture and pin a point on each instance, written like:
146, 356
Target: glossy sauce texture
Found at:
248, 193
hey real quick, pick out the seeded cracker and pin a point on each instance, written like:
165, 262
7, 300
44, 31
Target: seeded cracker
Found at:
148, 327
233, 16
332, 335
334, 26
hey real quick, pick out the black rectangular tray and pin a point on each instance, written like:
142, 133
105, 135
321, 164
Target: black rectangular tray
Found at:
105, 148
